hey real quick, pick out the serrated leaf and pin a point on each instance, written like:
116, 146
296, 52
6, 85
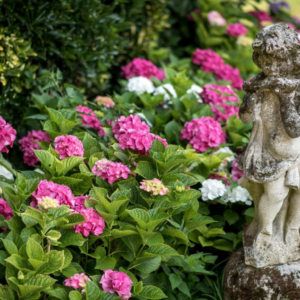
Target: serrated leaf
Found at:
146, 170
10, 247
92, 291
152, 292
34, 250
105, 263
175, 280
147, 264
54, 260
69, 237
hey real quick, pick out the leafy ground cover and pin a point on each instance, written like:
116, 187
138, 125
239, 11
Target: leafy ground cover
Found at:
131, 193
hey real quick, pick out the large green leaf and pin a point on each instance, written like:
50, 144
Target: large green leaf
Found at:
152, 292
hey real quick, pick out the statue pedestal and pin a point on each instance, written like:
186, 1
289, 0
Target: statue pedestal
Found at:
275, 282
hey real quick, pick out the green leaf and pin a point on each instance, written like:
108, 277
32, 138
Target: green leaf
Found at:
158, 146
223, 245
138, 287
53, 235
172, 131
146, 170
183, 288
175, 280
177, 234
165, 251
92, 291
68, 164
60, 293
47, 160
19, 262
34, 250
75, 295
55, 116
105, 263
205, 242
69, 237
6, 293
152, 292
147, 264
10, 247
231, 216
54, 261
140, 216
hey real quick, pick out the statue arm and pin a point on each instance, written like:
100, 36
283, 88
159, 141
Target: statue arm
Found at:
246, 111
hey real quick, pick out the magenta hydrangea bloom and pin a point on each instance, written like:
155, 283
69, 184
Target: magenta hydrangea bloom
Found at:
218, 96
77, 281
94, 223
116, 282
68, 145
203, 133
27, 144
5, 209
227, 72
134, 134
236, 172
60, 192
261, 16
80, 200
141, 67
90, 119
110, 170
7, 135
236, 29
208, 60
154, 186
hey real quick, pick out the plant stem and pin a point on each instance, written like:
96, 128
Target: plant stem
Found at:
49, 245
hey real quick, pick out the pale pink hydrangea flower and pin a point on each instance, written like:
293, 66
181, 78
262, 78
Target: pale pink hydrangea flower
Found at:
105, 101
27, 143
236, 29
94, 222
110, 170
215, 19
90, 119
203, 133
134, 134
77, 281
218, 96
60, 192
154, 186
236, 172
208, 60
227, 72
5, 211
116, 282
68, 145
142, 67
47, 202
7, 135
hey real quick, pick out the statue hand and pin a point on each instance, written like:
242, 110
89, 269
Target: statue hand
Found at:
248, 103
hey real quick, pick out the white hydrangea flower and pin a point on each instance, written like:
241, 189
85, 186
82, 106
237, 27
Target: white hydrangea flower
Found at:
161, 90
5, 173
140, 85
212, 189
196, 90
237, 194
224, 164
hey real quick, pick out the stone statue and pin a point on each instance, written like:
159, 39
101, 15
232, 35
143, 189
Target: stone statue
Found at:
271, 162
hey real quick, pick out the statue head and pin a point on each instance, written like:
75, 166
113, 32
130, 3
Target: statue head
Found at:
277, 50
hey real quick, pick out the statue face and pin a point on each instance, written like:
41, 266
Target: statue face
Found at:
271, 54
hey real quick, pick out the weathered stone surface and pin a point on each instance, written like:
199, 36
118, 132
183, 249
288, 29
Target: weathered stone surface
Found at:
277, 282
271, 162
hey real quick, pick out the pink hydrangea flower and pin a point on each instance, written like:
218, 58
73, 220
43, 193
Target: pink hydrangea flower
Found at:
236, 173
5, 209
68, 145
161, 74
227, 72
261, 16
27, 143
80, 200
94, 223
216, 95
215, 19
236, 29
134, 134
90, 119
116, 282
154, 186
105, 101
203, 133
59, 192
7, 135
141, 67
77, 281
208, 60
110, 170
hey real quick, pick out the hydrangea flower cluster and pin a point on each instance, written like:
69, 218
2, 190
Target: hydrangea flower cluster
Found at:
215, 19
219, 96
110, 170
94, 222
142, 67
212, 189
236, 173
140, 85
237, 194
79, 200
196, 90
47, 202
77, 281
165, 89
261, 16
90, 119
5, 209
7, 135
27, 143
134, 134
236, 29
116, 282
68, 145
105, 101
59, 192
209, 61
154, 186
203, 133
